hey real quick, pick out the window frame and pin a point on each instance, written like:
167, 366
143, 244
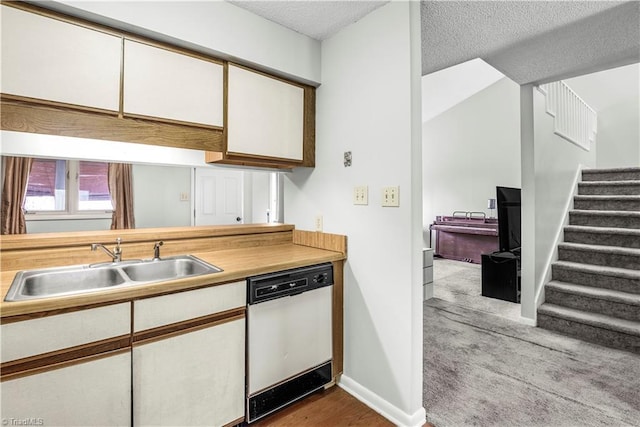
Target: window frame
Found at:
72, 198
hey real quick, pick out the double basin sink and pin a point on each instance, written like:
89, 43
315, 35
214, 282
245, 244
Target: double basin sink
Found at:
79, 279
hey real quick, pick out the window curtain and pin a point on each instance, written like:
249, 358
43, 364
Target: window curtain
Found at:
14, 190
121, 189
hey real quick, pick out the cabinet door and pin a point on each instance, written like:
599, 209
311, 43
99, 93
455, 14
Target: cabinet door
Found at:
92, 393
154, 312
196, 378
168, 85
265, 116
53, 60
53, 333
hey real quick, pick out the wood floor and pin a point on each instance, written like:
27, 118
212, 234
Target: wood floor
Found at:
332, 407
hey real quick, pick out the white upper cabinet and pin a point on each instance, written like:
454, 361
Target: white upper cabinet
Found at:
265, 116
165, 84
57, 61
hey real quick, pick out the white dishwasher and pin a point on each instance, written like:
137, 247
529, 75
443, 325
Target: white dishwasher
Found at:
289, 351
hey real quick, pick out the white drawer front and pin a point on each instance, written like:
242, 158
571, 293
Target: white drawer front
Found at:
64, 330
173, 308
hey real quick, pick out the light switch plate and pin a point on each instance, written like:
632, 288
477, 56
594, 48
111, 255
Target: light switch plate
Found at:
360, 195
391, 196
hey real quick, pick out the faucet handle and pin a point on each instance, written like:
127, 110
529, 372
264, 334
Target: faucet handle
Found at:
118, 249
156, 249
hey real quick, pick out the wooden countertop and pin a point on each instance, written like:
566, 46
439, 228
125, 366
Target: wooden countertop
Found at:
236, 263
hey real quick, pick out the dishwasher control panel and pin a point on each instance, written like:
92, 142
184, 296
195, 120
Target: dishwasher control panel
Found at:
289, 282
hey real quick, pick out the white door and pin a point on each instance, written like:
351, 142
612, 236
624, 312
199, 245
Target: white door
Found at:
219, 196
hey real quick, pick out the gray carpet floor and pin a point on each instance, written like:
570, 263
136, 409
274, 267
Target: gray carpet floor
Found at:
485, 370
461, 283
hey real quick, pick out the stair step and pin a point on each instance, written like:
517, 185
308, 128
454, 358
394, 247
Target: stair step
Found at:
600, 255
607, 203
603, 236
618, 279
617, 219
596, 328
594, 300
615, 174
609, 188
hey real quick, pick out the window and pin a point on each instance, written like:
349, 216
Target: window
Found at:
68, 187
93, 186
46, 186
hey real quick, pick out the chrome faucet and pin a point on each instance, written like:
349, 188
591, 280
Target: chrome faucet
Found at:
156, 250
116, 255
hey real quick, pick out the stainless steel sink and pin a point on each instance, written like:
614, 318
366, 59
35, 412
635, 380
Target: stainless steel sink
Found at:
60, 281
73, 280
168, 268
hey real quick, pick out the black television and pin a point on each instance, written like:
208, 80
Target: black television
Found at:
509, 219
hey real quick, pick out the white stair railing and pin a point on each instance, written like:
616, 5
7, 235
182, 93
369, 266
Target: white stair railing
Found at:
574, 119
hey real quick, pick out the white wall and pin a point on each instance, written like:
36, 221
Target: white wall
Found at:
557, 163
367, 104
261, 192
618, 138
446, 88
615, 95
156, 195
55, 226
214, 27
548, 182
469, 150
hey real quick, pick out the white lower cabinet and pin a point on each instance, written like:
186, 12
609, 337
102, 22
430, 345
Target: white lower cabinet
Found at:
194, 378
96, 392
186, 366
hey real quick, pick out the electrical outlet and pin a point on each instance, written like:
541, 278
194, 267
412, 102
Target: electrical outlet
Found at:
361, 195
391, 196
318, 222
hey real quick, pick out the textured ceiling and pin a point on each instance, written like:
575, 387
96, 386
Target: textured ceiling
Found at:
318, 19
528, 41
531, 41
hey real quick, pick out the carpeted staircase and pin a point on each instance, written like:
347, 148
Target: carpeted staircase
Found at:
594, 293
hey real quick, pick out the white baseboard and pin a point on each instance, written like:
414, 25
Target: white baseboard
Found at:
528, 321
381, 406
